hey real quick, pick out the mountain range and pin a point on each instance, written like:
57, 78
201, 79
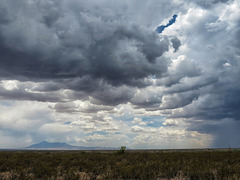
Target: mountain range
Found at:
65, 146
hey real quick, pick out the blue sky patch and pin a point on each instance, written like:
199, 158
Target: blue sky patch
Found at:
161, 28
67, 122
153, 121
100, 132
6, 103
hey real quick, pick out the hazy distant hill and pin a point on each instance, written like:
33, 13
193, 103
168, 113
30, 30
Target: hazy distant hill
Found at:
45, 144
59, 145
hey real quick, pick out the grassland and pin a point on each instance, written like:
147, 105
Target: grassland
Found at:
73, 165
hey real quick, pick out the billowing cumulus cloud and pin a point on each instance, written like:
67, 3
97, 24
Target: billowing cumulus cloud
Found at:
98, 73
51, 40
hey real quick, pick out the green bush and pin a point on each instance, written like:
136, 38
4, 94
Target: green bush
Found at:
121, 150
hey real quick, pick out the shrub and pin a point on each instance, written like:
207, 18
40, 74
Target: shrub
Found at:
121, 150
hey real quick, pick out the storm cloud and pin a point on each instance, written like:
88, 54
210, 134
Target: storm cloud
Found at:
94, 67
43, 41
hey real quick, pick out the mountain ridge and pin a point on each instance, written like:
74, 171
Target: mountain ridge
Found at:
65, 146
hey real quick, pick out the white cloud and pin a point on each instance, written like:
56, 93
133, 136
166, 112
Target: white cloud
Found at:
137, 120
172, 138
170, 122
137, 128
10, 84
97, 137
226, 64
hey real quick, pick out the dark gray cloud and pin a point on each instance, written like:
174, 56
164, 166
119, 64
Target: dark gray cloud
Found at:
99, 53
176, 43
210, 3
54, 41
67, 45
225, 132
177, 100
216, 101
237, 35
184, 69
21, 94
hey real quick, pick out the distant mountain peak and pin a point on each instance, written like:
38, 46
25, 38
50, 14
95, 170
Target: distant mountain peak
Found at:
45, 144
62, 145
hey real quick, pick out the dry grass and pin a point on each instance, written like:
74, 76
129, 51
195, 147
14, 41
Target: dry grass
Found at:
174, 165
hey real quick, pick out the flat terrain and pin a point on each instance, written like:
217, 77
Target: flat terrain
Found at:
133, 164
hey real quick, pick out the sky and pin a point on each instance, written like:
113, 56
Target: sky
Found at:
144, 74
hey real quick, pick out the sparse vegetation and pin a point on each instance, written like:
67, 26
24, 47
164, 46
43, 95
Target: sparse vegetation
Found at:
121, 150
72, 165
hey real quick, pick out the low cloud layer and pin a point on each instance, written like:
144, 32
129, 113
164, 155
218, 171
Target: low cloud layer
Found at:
98, 73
